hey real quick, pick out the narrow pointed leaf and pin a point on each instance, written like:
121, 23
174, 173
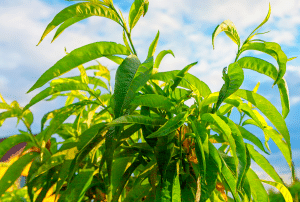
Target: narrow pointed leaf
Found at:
283, 190
270, 70
102, 71
86, 9
263, 163
240, 150
153, 45
189, 81
222, 125
79, 185
268, 110
230, 180
130, 76
153, 100
233, 81
252, 138
273, 49
136, 11
67, 85
230, 30
137, 119
67, 24
170, 125
281, 144
78, 57
257, 189
181, 74
159, 58
261, 24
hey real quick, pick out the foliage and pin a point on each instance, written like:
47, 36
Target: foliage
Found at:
294, 190
141, 142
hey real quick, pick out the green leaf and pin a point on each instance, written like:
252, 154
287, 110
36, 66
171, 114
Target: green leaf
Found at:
153, 100
137, 119
103, 71
83, 10
252, 138
281, 144
79, 185
273, 49
233, 81
12, 141
91, 80
153, 45
181, 74
124, 179
261, 24
200, 134
263, 163
169, 190
126, 42
270, 70
136, 11
60, 118
189, 81
118, 168
230, 30
211, 180
159, 58
170, 125
130, 76
257, 189
268, 110
222, 125
67, 85
14, 171
230, 180
240, 149
284, 190
214, 155
67, 24
118, 60
80, 56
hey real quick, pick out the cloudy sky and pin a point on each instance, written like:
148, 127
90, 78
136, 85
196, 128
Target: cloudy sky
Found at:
185, 28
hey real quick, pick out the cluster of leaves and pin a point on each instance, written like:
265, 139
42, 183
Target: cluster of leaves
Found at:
141, 142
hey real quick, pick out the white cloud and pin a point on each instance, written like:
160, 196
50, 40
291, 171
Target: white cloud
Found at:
294, 100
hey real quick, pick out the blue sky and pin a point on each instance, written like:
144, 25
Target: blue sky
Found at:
185, 28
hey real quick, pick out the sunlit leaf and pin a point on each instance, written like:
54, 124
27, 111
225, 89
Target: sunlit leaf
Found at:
86, 9
258, 191
263, 163
153, 45
159, 58
189, 81
130, 76
80, 56
270, 70
170, 125
273, 49
230, 30
268, 110
283, 190
181, 74
67, 24
79, 185
136, 11
153, 100
233, 80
